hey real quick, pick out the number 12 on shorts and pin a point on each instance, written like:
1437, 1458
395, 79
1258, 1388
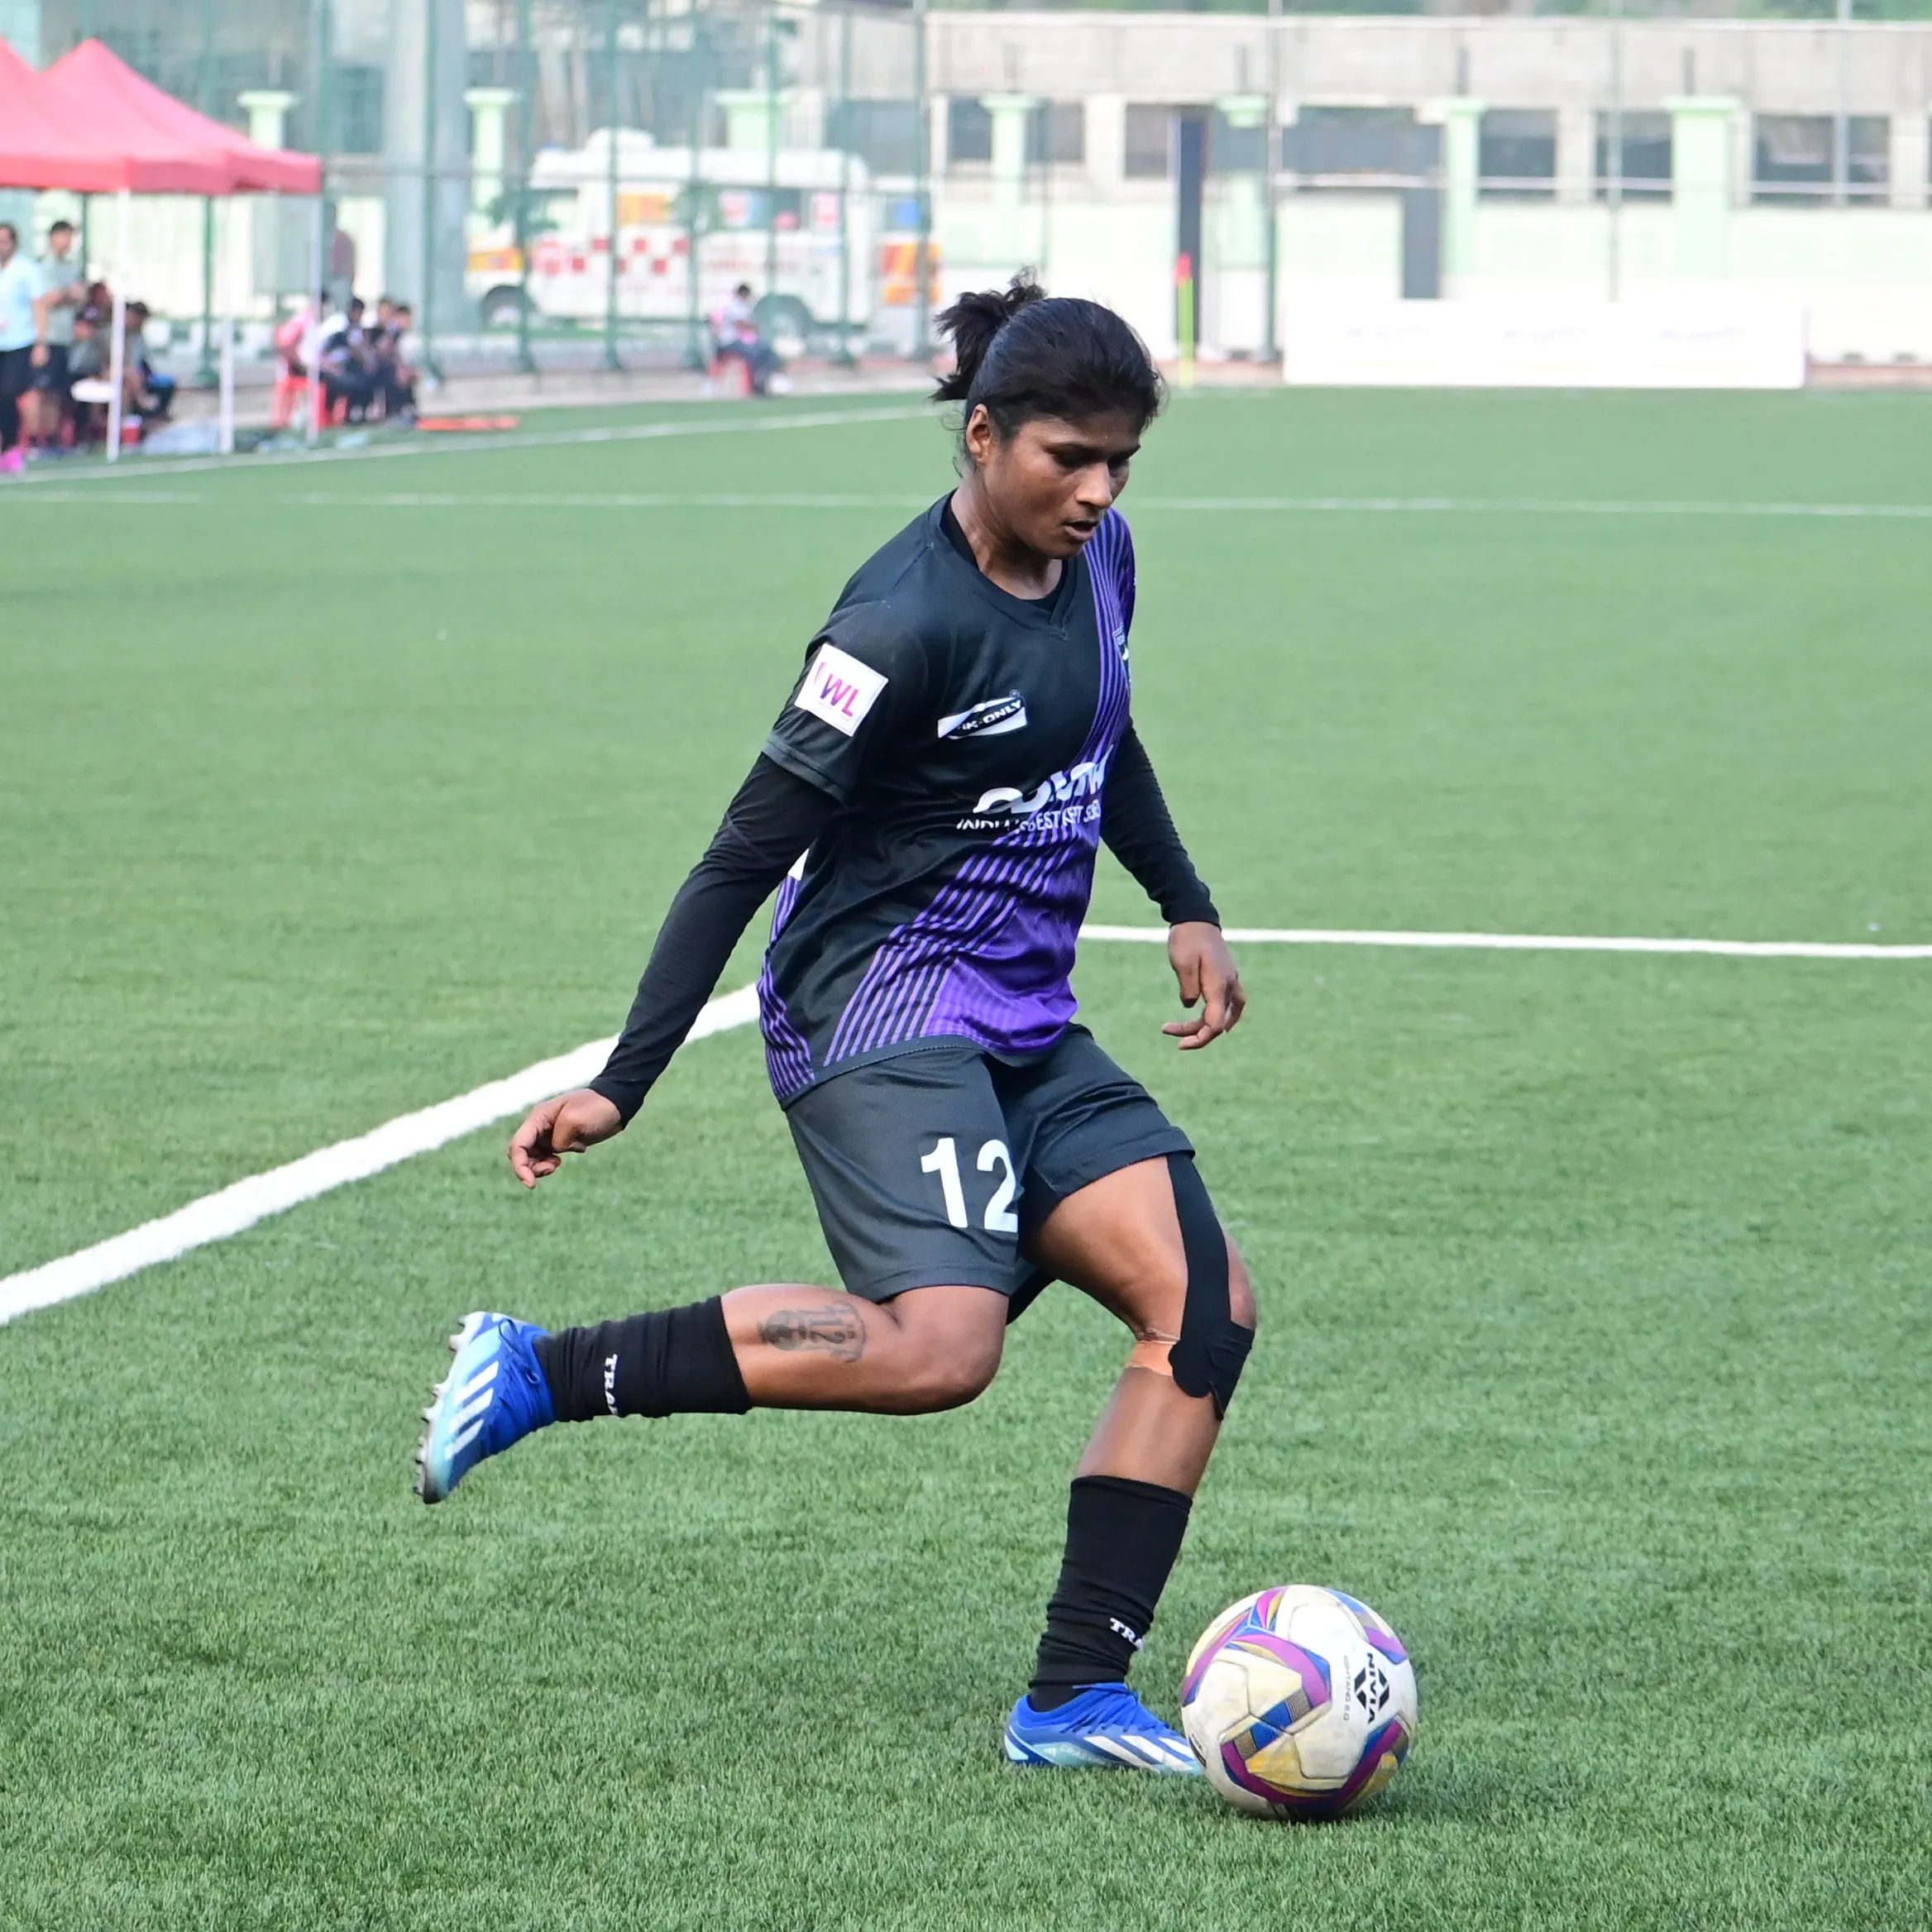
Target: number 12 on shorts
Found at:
943, 1161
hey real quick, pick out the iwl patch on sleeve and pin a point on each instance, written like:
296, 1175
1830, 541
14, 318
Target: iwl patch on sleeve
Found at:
838, 689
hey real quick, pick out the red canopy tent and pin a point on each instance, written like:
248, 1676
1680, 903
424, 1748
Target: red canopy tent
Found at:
91, 124
122, 110
39, 145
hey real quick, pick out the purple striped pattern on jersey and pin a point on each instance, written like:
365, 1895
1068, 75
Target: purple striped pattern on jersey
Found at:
787, 1057
988, 958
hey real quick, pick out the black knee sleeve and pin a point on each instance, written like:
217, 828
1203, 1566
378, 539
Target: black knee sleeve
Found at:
1214, 1346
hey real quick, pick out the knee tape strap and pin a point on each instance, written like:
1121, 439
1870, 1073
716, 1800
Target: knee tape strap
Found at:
1208, 1358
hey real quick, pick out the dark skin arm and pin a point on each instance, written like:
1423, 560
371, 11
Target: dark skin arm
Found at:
1206, 971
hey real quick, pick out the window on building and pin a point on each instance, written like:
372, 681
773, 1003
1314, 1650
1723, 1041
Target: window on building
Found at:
1646, 154
1360, 146
1518, 158
1795, 159
1236, 151
968, 130
883, 134
1056, 131
358, 110
1150, 141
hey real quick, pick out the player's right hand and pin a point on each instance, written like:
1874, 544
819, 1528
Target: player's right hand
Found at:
567, 1125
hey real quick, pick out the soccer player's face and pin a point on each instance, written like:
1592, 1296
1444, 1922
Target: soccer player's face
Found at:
1052, 481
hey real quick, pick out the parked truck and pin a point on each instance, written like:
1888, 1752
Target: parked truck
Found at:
821, 209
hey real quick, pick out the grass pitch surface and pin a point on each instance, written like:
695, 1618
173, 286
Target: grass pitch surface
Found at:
1594, 1338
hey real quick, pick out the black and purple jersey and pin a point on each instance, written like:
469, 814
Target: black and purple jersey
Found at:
964, 734
949, 761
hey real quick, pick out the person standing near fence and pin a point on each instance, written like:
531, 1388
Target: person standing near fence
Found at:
63, 294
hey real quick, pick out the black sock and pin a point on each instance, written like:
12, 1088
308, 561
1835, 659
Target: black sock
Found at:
1122, 1538
673, 1362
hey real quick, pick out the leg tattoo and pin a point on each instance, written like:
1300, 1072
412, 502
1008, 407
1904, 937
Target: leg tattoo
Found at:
838, 1330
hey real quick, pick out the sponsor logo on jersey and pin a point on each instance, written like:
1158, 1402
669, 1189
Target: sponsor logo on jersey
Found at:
838, 689
991, 719
1066, 800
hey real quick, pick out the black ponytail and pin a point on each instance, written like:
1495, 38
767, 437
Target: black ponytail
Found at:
1023, 354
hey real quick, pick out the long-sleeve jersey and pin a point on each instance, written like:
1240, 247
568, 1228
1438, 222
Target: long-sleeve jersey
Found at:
929, 803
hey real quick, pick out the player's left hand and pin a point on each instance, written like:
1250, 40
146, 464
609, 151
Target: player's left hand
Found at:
1205, 970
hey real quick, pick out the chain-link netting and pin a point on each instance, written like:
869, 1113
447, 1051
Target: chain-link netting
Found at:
561, 185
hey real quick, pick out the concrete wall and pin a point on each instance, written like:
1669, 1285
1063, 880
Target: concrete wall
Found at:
1775, 66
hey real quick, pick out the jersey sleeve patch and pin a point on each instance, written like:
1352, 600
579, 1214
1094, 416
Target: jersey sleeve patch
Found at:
838, 689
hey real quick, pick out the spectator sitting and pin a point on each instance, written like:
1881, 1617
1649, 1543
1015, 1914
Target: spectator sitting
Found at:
736, 329
348, 376
88, 362
395, 381
152, 393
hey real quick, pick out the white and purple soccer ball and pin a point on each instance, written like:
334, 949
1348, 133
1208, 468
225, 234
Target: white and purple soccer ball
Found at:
1300, 1702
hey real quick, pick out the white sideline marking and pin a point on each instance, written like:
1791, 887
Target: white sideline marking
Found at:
1522, 942
215, 1217
1560, 506
799, 500
433, 445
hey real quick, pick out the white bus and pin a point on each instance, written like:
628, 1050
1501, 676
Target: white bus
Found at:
571, 236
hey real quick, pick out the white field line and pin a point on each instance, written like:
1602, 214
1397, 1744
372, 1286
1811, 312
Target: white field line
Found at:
1522, 942
215, 1217
800, 499
28, 491
1558, 506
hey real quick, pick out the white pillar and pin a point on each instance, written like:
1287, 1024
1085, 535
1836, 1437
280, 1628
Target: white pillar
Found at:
489, 110
1575, 155
1013, 236
937, 159
1107, 140
1700, 181
1743, 155
1009, 113
443, 199
1460, 119
1908, 157
257, 222
267, 109
1234, 305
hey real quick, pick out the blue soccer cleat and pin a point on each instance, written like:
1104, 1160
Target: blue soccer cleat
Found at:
1106, 1726
496, 1395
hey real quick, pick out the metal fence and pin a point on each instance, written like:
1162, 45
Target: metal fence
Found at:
537, 179
559, 184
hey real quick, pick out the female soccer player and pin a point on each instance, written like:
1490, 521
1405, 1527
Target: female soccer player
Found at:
928, 806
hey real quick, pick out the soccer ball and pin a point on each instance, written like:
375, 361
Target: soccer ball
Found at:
1300, 1702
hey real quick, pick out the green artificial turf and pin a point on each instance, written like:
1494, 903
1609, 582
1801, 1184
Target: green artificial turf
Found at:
1594, 1346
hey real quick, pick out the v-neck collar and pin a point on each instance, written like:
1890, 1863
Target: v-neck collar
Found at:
1051, 613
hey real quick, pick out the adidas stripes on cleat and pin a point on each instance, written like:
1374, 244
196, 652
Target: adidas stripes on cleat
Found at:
1106, 1726
496, 1395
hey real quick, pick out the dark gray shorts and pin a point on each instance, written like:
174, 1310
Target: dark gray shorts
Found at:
931, 1169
